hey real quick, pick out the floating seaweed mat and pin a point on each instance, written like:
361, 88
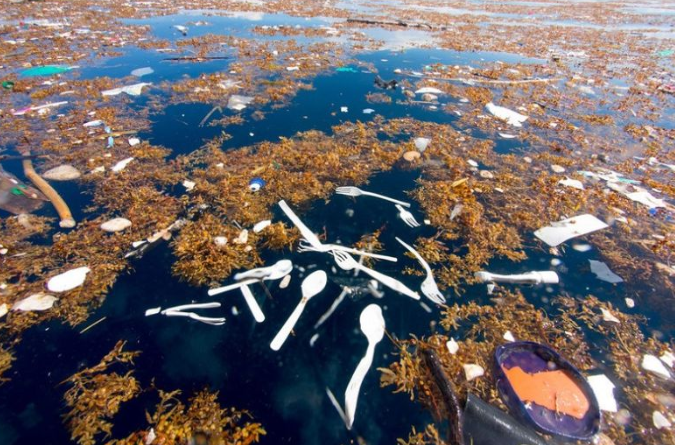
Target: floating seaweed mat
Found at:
47, 70
17, 197
545, 390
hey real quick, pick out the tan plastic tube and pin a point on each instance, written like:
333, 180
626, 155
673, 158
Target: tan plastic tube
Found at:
67, 220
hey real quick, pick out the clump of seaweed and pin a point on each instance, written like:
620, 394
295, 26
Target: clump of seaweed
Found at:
95, 396
203, 422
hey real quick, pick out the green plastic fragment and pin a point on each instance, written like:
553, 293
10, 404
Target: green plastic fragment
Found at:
345, 69
7, 85
17, 191
46, 70
666, 53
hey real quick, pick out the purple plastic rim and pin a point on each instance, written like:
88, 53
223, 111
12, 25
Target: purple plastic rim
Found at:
534, 357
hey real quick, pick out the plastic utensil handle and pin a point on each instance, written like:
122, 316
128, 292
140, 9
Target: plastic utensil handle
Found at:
417, 255
528, 278
390, 282
192, 306
192, 315
252, 304
286, 329
360, 253
386, 198
220, 290
304, 230
354, 386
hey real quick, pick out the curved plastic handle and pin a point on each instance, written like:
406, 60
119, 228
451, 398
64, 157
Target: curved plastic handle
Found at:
286, 329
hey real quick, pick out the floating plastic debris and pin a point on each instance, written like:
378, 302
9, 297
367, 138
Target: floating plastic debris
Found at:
183, 29
603, 388
508, 336
472, 371
372, 326
411, 156
311, 286
134, 141
608, 316
38, 108
121, 165
220, 241
238, 103
486, 174
3, 309
653, 364
368, 111
292, 68
509, 116
262, 225
534, 277
574, 183
68, 280
344, 109
557, 168
660, 420
452, 346
116, 225
36, 302
132, 90
64, 172
429, 90
189, 185
603, 272
140, 72
422, 143
561, 231
285, 281
582, 247
242, 238
630, 303
256, 184
47, 70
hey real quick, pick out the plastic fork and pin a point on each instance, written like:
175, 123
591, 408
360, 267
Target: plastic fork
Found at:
355, 191
429, 287
347, 262
306, 246
407, 217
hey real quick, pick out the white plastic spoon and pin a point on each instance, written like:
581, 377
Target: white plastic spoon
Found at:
372, 326
274, 272
312, 285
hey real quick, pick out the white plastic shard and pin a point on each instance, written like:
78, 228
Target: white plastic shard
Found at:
574, 183
429, 90
472, 371
452, 346
153, 311
285, 281
508, 336
68, 280
604, 273
608, 316
668, 358
238, 103
422, 143
603, 388
132, 90
140, 72
133, 142
561, 231
3, 309
189, 185
262, 225
508, 136
660, 420
64, 172
651, 363
116, 225
509, 116
36, 302
121, 165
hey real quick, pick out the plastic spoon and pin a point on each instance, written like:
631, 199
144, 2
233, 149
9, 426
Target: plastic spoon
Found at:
372, 326
312, 285
274, 272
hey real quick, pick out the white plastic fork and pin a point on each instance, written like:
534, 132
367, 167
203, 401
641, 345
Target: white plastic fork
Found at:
306, 246
429, 286
355, 191
407, 217
347, 262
